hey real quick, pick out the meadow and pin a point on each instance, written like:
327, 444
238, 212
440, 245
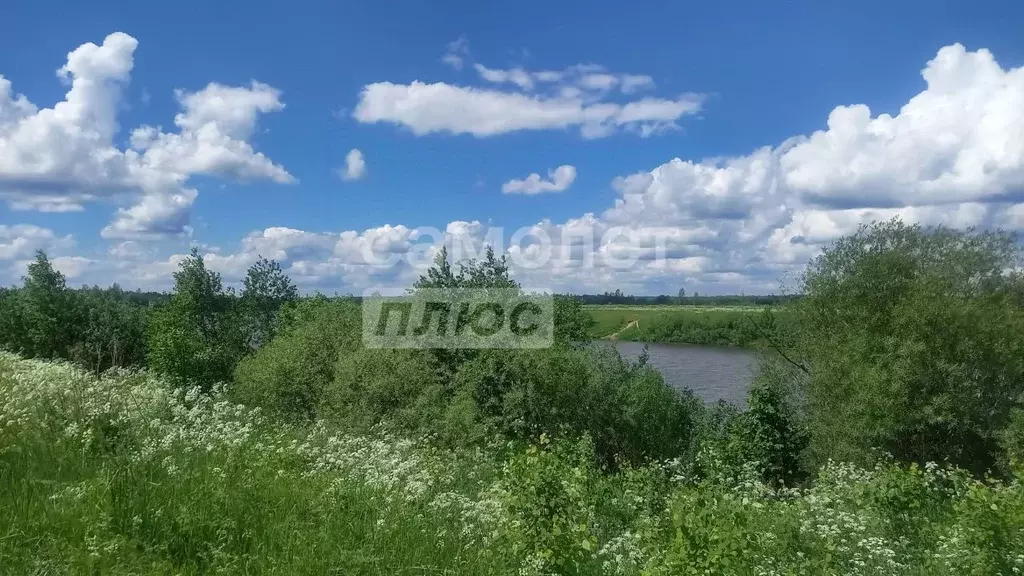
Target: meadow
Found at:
129, 474
688, 324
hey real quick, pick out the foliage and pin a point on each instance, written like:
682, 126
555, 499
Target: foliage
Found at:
323, 456
914, 341
110, 331
94, 327
627, 409
618, 298
266, 290
572, 323
769, 433
709, 326
196, 338
382, 387
288, 376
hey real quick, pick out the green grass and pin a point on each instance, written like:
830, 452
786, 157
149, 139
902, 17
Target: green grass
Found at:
127, 475
708, 325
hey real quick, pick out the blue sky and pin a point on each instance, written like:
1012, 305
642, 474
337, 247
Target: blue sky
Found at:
734, 90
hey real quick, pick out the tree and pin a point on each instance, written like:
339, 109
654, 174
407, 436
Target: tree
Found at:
110, 329
289, 374
770, 435
913, 339
490, 273
195, 338
13, 331
682, 295
572, 322
266, 289
440, 275
47, 314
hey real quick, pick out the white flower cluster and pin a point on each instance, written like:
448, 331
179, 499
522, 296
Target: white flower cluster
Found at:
168, 425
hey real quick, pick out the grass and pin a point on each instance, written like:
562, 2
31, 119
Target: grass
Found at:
709, 325
125, 474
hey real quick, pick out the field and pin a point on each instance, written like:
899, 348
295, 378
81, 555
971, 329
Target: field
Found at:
709, 325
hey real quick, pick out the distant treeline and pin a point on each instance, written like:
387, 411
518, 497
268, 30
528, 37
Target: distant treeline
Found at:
197, 332
695, 299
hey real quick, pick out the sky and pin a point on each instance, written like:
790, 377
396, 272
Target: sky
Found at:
715, 147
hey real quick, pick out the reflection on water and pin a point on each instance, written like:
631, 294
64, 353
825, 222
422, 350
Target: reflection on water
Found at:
712, 373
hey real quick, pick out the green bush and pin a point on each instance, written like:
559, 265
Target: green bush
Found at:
914, 342
627, 409
196, 338
289, 375
382, 386
96, 328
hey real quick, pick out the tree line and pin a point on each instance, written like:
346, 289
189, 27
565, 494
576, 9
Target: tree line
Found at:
906, 341
694, 299
197, 333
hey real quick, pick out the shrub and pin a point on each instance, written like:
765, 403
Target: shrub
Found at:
914, 342
382, 386
288, 376
627, 409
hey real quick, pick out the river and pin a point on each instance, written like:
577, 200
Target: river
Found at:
713, 373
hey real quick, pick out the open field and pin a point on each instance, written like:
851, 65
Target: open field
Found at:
711, 325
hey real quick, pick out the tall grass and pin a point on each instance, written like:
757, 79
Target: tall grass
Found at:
126, 475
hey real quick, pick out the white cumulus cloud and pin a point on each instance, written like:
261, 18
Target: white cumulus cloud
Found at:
558, 180
59, 159
21, 241
579, 96
355, 165
439, 107
953, 154
457, 53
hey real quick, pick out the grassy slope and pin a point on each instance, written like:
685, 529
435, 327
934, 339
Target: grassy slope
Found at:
124, 475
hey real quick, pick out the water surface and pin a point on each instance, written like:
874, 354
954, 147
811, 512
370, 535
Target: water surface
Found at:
713, 373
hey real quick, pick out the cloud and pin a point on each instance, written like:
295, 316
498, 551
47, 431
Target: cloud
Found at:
59, 159
952, 154
215, 126
355, 165
591, 79
21, 241
580, 96
156, 215
516, 76
130, 250
458, 52
630, 83
55, 159
961, 139
559, 180
440, 107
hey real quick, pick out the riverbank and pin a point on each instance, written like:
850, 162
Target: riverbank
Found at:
734, 326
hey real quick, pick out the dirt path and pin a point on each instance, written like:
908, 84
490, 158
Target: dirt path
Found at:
615, 335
